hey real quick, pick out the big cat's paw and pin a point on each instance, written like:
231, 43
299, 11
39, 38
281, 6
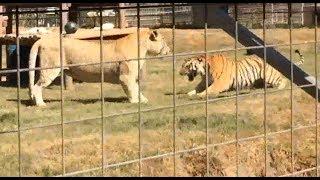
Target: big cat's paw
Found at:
191, 93
202, 94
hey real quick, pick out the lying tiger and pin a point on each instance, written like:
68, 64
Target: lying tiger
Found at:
222, 73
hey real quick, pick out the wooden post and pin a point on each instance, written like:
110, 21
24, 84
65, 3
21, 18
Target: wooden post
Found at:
68, 80
1, 31
1, 20
122, 16
64, 14
1, 61
3, 25
8, 31
302, 14
272, 14
274, 58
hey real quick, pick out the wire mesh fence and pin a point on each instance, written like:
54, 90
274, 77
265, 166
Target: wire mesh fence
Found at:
151, 17
161, 16
175, 104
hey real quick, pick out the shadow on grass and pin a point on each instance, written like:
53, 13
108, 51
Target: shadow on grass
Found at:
82, 101
29, 102
183, 94
177, 93
106, 99
10, 84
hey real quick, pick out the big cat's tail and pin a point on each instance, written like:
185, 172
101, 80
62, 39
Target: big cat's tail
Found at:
301, 57
32, 64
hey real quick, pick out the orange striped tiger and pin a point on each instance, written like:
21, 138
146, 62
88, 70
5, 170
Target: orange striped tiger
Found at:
222, 73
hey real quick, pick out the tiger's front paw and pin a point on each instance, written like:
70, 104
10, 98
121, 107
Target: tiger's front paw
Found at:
191, 93
202, 94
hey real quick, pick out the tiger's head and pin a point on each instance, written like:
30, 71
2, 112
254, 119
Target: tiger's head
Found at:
192, 67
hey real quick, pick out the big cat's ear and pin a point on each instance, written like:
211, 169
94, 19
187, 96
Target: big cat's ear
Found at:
201, 58
153, 35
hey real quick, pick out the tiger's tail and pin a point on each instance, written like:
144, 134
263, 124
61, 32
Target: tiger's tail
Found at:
301, 57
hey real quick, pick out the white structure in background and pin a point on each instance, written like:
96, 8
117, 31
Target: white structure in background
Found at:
37, 30
105, 26
50, 12
104, 13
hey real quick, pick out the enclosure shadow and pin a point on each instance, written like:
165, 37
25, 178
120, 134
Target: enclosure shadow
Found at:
106, 99
27, 102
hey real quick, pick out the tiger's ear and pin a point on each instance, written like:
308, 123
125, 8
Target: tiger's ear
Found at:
188, 59
201, 58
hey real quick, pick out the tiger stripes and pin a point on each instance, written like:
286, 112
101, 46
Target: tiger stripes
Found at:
222, 73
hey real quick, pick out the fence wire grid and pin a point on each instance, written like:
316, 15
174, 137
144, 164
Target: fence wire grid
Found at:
172, 57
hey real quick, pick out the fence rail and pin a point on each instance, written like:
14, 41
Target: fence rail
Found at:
248, 14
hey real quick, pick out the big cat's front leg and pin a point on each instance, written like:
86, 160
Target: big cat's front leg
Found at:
200, 87
213, 90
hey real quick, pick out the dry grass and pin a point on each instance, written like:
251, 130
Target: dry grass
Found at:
41, 148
